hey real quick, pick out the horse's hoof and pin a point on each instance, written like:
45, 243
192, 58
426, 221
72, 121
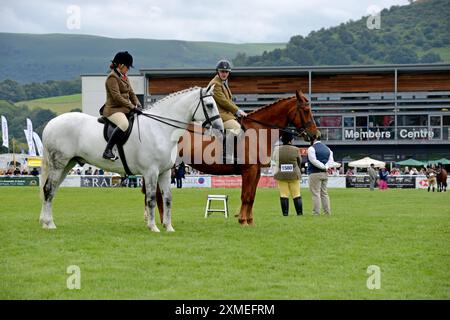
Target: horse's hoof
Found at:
243, 223
154, 228
169, 228
49, 226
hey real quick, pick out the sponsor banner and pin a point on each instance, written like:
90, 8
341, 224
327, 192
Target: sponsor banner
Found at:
267, 182
333, 182
422, 182
226, 181
5, 137
393, 182
100, 181
71, 181
196, 182
19, 181
38, 143
29, 136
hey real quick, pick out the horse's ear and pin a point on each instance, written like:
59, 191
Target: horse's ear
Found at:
300, 96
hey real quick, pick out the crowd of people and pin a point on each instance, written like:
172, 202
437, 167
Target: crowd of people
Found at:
17, 171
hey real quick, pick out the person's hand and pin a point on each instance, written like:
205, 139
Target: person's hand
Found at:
241, 113
138, 110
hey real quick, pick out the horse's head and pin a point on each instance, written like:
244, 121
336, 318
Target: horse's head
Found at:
210, 115
303, 119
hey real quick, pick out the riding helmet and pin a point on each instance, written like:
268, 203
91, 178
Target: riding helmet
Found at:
223, 65
286, 137
123, 57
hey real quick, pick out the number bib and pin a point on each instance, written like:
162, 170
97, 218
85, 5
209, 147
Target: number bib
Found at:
287, 168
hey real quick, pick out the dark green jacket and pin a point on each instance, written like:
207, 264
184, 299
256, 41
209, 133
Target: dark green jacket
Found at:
287, 162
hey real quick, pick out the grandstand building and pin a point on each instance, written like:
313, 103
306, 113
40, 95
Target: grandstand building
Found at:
389, 112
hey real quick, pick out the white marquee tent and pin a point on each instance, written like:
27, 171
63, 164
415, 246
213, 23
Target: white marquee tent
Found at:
366, 162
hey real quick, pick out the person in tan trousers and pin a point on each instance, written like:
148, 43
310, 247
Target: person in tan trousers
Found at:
320, 158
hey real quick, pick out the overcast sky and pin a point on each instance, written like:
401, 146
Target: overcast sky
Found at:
235, 21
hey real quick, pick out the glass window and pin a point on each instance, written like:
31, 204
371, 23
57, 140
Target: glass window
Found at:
436, 133
446, 120
329, 121
382, 121
412, 120
349, 122
435, 120
361, 121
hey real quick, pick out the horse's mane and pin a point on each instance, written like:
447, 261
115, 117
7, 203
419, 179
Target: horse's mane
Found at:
170, 96
269, 105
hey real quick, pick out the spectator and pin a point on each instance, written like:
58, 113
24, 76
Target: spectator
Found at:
373, 175
349, 172
88, 172
101, 172
34, 172
320, 158
179, 175
17, 171
287, 162
383, 179
173, 175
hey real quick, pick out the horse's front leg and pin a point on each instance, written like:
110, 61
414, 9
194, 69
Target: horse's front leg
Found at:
150, 196
254, 177
164, 185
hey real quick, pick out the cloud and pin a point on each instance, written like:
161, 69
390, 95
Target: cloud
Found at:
228, 21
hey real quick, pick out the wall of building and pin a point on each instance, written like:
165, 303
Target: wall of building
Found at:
94, 95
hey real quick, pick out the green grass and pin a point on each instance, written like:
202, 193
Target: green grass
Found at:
404, 232
59, 105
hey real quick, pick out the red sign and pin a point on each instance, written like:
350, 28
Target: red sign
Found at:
236, 182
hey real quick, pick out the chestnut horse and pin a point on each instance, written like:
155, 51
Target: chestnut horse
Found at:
276, 116
441, 178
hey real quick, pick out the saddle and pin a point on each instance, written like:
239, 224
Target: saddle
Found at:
109, 127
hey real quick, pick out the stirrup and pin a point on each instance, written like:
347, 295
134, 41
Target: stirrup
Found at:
110, 155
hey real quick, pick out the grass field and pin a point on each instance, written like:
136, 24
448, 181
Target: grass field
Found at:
59, 105
404, 232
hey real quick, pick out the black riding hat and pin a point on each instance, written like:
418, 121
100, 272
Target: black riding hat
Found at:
223, 65
123, 57
286, 137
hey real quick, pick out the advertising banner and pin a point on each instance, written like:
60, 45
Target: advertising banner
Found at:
19, 181
393, 182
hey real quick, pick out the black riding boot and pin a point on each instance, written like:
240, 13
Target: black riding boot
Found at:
115, 137
298, 206
284, 206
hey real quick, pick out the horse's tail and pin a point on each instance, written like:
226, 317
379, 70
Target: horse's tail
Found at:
44, 172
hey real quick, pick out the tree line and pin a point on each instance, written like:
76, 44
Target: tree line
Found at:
407, 34
16, 117
13, 91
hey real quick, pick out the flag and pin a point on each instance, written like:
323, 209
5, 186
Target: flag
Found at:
29, 136
5, 132
38, 142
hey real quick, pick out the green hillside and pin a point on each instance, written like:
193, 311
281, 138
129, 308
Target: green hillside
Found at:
58, 105
414, 33
36, 58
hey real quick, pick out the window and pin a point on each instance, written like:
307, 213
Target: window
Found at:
412, 120
329, 121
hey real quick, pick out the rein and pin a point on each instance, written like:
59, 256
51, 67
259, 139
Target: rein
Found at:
165, 120
295, 133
